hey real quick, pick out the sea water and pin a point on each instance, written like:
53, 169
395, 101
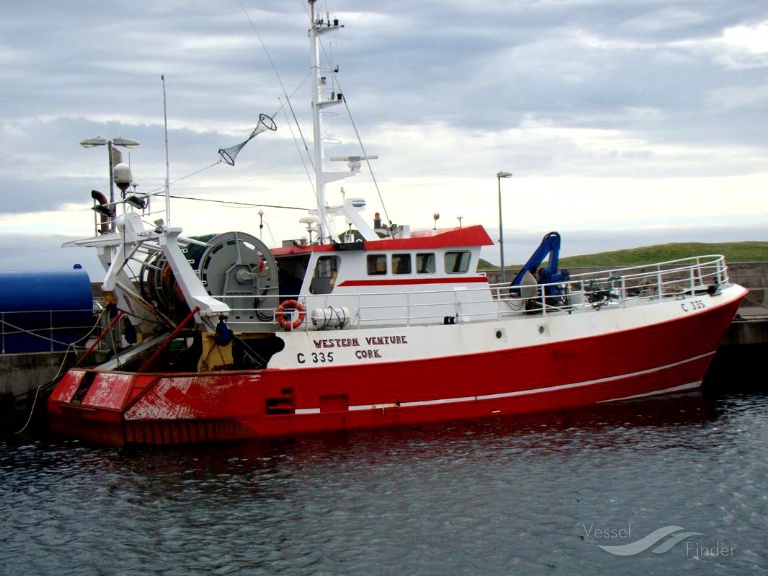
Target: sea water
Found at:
675, 485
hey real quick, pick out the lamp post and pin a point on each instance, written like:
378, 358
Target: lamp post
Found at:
499, 176
110, 144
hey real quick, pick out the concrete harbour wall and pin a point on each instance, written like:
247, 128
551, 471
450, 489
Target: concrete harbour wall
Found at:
20, 373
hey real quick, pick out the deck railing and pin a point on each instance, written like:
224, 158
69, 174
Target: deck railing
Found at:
45, 330
622, 286
57, 330
582, 292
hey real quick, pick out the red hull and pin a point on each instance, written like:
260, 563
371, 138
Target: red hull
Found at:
124, 408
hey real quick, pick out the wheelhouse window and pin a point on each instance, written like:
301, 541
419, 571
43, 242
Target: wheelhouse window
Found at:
425, 263
324, 278
456, 262
377, 264
401, 263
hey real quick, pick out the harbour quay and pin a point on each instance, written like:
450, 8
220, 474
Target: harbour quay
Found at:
742, 352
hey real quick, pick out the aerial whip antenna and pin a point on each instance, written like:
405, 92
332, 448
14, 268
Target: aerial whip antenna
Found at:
229, 154
167, 165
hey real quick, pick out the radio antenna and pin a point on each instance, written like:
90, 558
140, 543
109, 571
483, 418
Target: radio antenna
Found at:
167, 164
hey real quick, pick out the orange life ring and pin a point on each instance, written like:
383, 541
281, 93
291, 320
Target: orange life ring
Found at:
282, 319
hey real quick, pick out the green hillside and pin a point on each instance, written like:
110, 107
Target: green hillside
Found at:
752, 251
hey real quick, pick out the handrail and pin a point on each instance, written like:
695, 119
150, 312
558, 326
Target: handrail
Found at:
56, 329
585, 291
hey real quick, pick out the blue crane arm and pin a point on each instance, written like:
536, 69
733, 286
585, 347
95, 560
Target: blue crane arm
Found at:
548, 249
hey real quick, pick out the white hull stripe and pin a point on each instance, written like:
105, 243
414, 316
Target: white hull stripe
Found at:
683, 387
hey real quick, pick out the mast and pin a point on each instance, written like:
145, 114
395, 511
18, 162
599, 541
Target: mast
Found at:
319, 103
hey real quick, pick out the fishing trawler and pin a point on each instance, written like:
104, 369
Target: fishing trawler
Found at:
378, 325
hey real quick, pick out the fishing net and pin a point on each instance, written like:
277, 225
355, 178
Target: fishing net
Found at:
229, 154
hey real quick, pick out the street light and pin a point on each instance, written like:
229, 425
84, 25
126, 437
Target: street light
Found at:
110, 144
499, 176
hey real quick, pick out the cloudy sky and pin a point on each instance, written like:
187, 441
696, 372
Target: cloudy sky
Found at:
625, 123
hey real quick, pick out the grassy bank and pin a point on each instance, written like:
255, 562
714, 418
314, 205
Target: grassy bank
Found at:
733, 252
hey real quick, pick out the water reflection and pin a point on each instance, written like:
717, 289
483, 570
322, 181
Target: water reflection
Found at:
497, 496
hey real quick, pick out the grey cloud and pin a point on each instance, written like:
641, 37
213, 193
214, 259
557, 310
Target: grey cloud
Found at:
93, 68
